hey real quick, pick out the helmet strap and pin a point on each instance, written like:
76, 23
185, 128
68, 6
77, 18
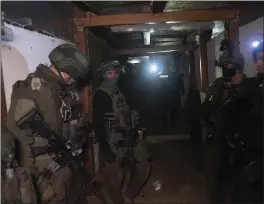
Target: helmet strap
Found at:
60, 75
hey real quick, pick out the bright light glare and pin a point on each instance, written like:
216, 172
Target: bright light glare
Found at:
163, 76
153, 68
152, 30
170, 22
134, 61
255, 44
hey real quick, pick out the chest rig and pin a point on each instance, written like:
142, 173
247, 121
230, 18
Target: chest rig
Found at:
71, 122
119, 119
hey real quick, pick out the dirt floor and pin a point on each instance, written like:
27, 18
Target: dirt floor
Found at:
177, 172
178, 169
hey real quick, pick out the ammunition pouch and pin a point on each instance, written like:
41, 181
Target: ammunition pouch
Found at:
19, 189
131, 139
50, 171
253, 171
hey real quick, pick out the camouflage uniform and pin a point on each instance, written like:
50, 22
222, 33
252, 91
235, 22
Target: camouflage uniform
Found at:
112, 119
59, 108
215, 156
248, 120
16, 183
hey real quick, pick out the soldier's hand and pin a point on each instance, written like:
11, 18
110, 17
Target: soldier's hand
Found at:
237, 78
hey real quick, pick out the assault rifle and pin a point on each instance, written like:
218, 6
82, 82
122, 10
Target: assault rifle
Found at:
64, 154
130, 141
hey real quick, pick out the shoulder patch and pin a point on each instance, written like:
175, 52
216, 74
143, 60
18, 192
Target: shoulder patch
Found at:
35, 84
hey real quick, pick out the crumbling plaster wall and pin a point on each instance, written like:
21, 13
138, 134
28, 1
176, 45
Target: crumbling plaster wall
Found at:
22, 55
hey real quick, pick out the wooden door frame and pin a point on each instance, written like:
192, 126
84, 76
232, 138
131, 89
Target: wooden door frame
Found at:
3, 99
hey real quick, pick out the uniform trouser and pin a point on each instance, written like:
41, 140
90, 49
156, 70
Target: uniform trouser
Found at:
53, 190
26, 190
119, 184
245, 191
217, 173
195, 128
19, 189
56, 192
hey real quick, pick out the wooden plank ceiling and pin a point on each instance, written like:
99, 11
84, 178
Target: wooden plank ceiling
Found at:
125, 37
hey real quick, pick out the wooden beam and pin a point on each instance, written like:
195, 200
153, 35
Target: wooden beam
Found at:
155, 49
3, 100
233, 32
141, 18
204, 37
85, 95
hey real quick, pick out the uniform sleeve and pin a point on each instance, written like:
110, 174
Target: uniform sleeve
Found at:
23, 136
45, 102
101, 105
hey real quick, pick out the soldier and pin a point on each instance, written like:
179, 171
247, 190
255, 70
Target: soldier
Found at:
258, 56
247, 119
48, 89
15, 189
115, 128
232, 64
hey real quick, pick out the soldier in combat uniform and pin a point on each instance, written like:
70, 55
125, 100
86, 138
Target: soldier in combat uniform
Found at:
247, 121
232, 63
115, 128
48, 89
14, 187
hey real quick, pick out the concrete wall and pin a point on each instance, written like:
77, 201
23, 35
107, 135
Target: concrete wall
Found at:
214, 53
247, 34
23, 54
99, 51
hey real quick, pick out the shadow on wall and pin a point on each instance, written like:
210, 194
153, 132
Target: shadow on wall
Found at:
99, 51
14, 66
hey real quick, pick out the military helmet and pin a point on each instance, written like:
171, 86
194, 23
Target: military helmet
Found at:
226, 44
257, 49
235, 58
110, 65
69, 59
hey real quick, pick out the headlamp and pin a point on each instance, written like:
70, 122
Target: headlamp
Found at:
256, 43
153, 68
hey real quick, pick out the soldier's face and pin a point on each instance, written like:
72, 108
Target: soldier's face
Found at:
112, 74
229, 66
260, 63
229, 70
67, 78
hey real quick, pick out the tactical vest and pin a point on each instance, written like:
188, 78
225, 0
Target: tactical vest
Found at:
70, 117
216, 95
120, 118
